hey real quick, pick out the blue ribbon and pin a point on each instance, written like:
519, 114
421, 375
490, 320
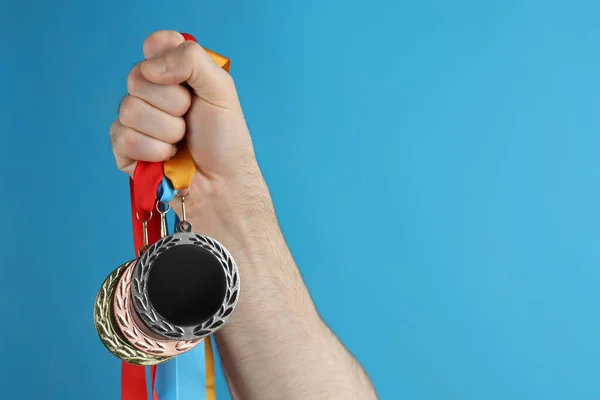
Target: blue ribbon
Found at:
166, 193
184, 377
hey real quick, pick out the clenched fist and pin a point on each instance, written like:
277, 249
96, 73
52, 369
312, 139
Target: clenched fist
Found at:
179, 93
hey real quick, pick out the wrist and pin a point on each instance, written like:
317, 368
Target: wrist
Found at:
236, 212
240, 215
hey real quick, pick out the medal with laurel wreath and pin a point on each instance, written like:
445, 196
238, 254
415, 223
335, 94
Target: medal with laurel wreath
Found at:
134, 330
107, 329
185, 286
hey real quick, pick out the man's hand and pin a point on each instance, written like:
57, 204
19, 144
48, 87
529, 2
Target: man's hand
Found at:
275, 345
151, 116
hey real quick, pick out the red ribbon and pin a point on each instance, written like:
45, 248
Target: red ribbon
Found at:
147, 176
187, 36
142, 188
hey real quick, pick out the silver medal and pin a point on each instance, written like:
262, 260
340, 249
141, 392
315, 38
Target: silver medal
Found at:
186, 285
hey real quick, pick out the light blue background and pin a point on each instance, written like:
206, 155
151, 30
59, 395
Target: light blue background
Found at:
433, 163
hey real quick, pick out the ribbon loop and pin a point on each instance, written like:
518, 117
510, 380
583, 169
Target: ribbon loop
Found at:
180, 169
146, 177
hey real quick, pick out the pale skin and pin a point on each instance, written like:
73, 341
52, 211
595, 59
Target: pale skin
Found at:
275, 346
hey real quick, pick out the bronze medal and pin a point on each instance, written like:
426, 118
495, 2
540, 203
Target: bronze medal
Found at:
107, 329
129, 322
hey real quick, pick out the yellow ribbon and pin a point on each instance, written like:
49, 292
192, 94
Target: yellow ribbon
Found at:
221, 61
211, 391
180, 170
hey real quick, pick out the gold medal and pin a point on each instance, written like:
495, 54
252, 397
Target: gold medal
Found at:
109, 334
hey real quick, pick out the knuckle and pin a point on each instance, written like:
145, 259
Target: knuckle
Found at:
130, 110
178, 100
127, 142
121, 103
150, 42
190, 47
113, 130
113, 135
192, 52
134, 80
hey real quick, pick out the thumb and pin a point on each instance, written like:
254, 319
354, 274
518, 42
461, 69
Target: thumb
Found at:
190, 63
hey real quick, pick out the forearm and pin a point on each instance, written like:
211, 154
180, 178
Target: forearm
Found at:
275, 346
288, 354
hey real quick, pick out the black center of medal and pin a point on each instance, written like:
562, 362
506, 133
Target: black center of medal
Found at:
186, 285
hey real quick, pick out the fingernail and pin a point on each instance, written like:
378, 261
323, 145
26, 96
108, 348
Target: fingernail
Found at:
156, 66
